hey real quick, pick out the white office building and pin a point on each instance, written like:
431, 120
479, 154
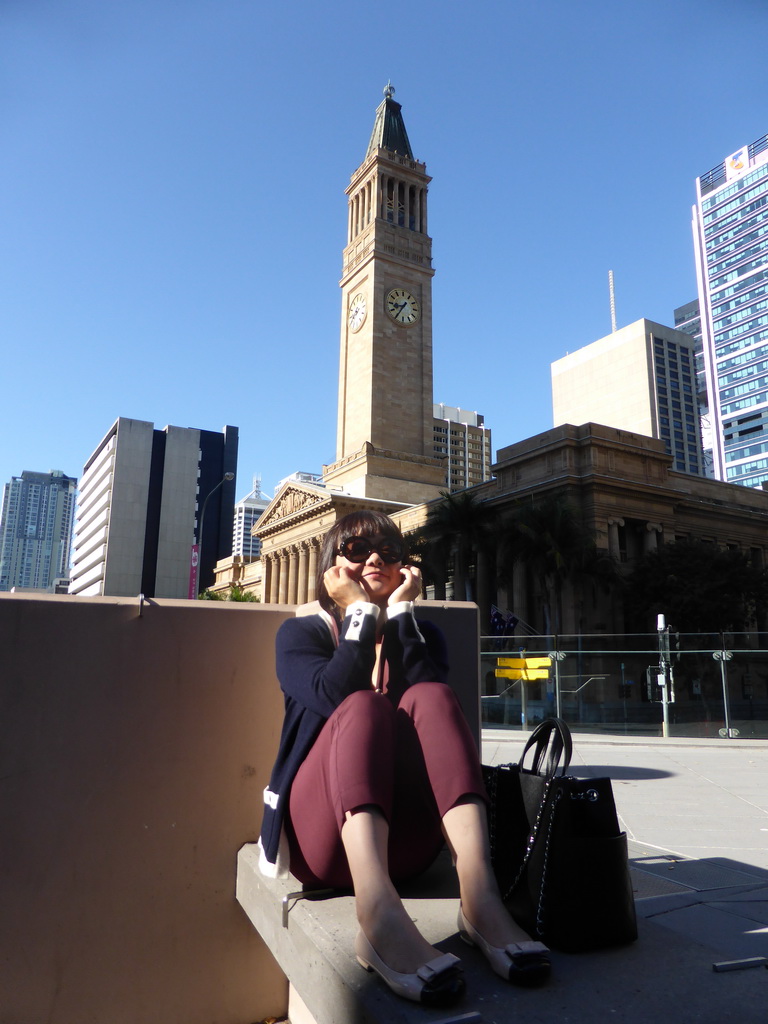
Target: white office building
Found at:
137, 528
641, 378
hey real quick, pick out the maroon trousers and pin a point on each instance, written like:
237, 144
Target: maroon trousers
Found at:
413, 761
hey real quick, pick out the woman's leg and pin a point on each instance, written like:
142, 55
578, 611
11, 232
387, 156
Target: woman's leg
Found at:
455, 776
379, 909
349, 766
433, 735
338, 828
466, 830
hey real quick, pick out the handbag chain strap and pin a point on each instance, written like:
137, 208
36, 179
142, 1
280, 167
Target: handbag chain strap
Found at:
492, 787
531, 840
542, 891
529, 850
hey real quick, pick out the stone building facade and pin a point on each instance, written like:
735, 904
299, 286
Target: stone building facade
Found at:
629, 498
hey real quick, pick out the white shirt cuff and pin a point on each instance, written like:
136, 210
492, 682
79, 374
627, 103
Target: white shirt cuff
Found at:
400, 608
357, 612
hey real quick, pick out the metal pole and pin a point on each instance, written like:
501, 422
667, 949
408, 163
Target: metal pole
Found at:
722, 656
557, 656
664, 673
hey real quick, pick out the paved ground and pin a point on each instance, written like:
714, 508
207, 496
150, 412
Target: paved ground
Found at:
696, 814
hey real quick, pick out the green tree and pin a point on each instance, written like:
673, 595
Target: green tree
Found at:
459, 529
235, 593
548, 537
700, 587
431, 554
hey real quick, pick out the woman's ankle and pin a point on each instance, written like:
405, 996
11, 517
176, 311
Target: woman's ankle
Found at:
395, 937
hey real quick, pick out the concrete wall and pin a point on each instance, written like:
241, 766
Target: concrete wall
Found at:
134, 751
135, 745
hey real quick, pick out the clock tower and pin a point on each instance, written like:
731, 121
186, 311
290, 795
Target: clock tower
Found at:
384, 435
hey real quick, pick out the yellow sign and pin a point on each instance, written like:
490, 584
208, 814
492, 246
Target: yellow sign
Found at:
524, 668
525, 662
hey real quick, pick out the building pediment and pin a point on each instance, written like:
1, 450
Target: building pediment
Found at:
292, 502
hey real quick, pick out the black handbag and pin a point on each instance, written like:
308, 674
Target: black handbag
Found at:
556, 848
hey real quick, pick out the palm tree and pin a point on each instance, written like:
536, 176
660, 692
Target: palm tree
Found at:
549, 538
431, 554
461, 524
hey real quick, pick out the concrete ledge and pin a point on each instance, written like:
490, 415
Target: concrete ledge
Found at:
315, 950
662, 976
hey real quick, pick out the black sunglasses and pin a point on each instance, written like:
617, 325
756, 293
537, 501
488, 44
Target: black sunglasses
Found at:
358, 549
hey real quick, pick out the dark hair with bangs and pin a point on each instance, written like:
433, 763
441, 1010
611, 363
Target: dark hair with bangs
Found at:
354, 524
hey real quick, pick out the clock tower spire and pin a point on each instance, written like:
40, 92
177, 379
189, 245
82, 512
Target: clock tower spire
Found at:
384, 436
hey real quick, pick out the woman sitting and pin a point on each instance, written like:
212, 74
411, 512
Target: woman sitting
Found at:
377, 767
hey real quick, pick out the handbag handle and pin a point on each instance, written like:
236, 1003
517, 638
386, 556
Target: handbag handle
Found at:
552, 738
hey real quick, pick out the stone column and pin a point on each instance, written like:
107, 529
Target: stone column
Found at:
283, 591
520, 591
613, 538
293, 576
314, 550
301, 594
482, 590
266, 578
651, 537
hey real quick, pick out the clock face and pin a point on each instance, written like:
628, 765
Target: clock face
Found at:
358, 309
402, 307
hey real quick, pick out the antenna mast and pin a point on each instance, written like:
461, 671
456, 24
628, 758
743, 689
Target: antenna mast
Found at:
612, 295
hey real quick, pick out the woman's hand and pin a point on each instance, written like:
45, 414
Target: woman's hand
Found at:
410, 588
343, 587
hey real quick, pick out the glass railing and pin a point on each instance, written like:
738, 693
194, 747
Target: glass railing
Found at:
661, 684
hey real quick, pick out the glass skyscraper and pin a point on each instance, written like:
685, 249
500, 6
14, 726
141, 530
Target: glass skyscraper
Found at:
730, 227
36, 530
247, 512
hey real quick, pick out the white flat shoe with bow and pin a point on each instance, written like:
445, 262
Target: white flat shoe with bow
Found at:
522, 963
437, 983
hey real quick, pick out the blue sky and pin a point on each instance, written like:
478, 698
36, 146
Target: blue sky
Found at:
173, 210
